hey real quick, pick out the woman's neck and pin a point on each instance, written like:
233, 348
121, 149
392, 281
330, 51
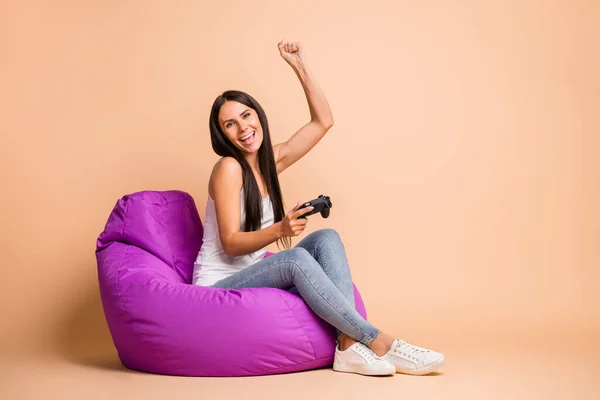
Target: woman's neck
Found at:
252, 160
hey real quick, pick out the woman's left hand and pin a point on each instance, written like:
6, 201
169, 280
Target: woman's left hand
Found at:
292, 52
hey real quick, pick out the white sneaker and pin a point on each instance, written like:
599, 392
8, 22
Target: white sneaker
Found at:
360, 359
413, 360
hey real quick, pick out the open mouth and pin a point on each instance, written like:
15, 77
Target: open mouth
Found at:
249, 139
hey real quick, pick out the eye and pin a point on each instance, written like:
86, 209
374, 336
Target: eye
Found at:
227, 125
246, 115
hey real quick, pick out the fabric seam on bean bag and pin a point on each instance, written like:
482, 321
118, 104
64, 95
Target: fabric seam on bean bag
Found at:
142, 336
300, 324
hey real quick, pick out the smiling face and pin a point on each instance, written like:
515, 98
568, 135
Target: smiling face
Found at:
241, 126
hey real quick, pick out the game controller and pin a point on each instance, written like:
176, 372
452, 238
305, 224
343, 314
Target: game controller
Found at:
321, 204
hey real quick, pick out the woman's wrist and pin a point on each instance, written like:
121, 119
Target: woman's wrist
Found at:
300, 67
276, 227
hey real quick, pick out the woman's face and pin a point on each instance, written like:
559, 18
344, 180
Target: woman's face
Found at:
238, 122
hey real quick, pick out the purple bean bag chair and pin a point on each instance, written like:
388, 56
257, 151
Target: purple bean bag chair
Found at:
161, 323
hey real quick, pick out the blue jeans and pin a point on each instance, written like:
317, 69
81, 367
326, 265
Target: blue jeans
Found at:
318, 269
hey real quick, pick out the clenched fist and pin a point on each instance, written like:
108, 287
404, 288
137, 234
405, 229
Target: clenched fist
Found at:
292, 52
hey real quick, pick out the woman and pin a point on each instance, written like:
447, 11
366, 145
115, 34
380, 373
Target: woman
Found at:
245, 213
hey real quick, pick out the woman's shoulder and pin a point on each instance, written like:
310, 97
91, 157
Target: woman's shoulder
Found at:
227, 165
226, 170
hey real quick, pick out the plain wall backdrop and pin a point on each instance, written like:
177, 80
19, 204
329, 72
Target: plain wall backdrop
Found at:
463, 165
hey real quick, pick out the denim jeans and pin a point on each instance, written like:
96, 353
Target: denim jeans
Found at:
317, 268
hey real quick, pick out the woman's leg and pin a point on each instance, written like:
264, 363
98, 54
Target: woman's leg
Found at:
326, 247
297, 267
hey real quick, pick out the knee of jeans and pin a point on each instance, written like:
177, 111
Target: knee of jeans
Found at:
329, 235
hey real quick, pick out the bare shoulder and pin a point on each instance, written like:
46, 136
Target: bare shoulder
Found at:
227, 165
226, 172
277, 150
277, 153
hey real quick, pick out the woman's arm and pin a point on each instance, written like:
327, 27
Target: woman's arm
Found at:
242, 243
224, 187
321, 119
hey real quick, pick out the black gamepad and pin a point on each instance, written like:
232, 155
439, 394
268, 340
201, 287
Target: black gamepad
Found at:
321, 204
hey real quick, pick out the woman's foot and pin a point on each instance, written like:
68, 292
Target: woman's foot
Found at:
413, 360
359, 359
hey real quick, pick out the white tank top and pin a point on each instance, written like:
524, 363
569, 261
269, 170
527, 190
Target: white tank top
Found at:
212, 264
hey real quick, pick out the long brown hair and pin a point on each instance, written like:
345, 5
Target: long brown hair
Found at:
266, 161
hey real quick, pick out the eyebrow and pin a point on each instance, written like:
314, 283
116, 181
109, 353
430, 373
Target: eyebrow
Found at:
243, 112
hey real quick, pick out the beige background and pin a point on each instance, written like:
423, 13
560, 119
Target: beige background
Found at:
463, 164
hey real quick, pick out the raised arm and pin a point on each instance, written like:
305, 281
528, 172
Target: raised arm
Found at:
321, 119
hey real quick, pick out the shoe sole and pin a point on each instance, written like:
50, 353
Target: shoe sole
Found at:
358, 370
424, 371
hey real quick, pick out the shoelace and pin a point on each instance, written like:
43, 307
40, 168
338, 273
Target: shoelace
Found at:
367, 353
408, 349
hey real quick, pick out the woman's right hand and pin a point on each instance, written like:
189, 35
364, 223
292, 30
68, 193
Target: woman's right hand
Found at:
292, 224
